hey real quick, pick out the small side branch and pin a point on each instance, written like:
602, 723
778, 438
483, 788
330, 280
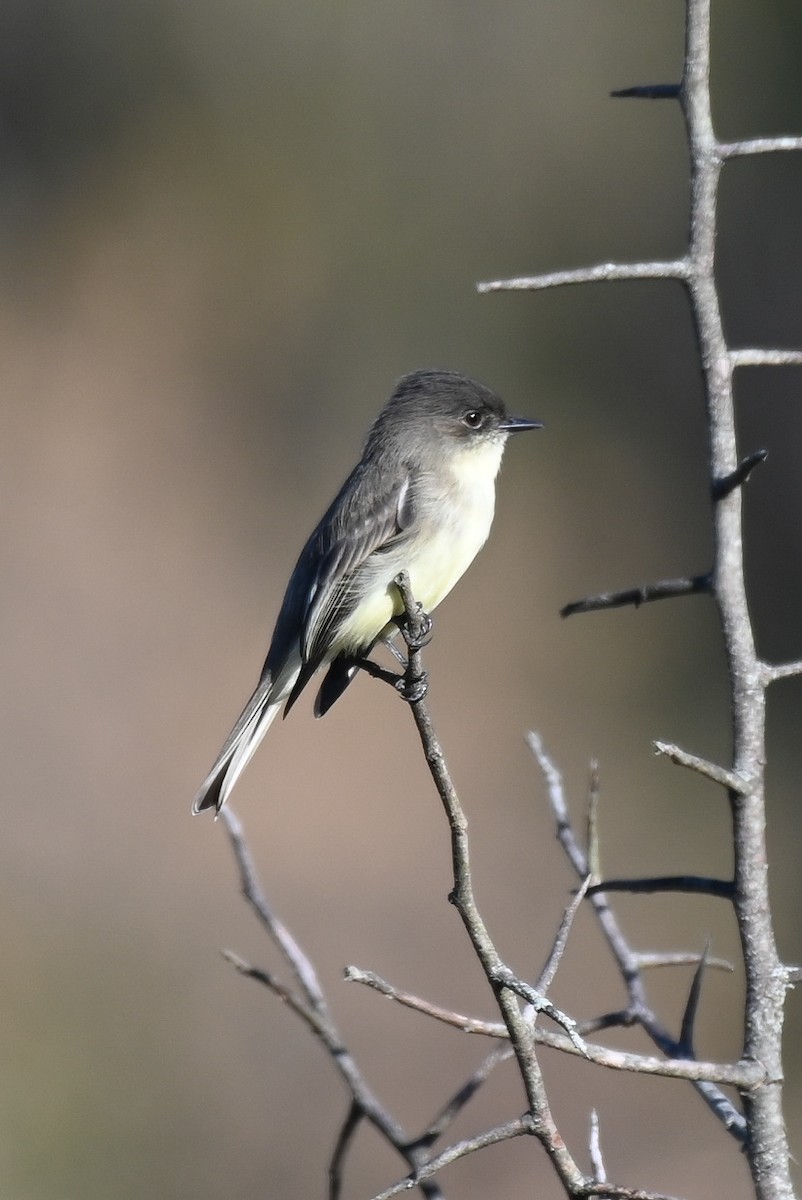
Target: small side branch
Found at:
465, 1024
665, 589
603, 273
754, 357
695, 884
503, 1133
766, 145
743, 1075
772, 673
731, 780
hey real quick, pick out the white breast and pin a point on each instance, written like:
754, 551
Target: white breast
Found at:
449, 541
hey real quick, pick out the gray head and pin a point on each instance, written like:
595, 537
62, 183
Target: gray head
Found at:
444, 406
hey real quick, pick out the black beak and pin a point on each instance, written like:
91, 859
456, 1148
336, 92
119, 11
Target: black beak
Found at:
519, 424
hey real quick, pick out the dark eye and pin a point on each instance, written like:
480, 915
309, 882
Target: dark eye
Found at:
473, 419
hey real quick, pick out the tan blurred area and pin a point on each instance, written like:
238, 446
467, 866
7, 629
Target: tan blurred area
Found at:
224, 231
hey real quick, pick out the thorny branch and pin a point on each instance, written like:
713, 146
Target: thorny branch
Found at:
758, 1074
630, 963
310, 1004
767, 979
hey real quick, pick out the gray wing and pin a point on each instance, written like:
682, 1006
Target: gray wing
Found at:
373, 511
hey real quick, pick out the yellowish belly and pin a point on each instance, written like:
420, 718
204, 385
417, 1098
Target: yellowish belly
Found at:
435, 560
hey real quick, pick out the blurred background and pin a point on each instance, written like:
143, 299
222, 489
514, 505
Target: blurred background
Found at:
224, 231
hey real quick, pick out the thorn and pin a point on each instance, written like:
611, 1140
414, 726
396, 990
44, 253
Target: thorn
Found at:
723, 487
648, 91
692, 1005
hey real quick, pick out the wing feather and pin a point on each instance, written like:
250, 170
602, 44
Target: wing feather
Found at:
371, 513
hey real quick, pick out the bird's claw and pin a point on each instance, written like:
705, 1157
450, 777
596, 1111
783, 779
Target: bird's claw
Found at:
416, 634
413, 690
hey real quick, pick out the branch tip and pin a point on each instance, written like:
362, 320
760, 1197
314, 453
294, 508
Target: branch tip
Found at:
609, 272
731, 780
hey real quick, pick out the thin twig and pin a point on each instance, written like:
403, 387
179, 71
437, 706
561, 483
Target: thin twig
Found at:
602, 273
345, 1137
665, 589
695, 884
731, 780
418, 1004
453, 1107
754, 357
502, 1133
299, 963
546, 976
765, 145
596, 1157
592, 839
651, 961
772, 673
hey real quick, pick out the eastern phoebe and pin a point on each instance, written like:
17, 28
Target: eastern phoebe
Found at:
420, 500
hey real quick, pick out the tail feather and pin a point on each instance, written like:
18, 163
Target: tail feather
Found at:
254, 722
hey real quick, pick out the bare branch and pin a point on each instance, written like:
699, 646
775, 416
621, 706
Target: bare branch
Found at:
538, 1003
639, 1009
749, 357
732, 781
496, 1029
743, 1075
521, 1030
299, 963
592, 835
765, 145
461, 1097
314, 1010
767, 1146
665, 589
546, 977
789, 670
602, 273
596, 1158
696, 884
502, 1133
650, 961
348, 1129
274, 984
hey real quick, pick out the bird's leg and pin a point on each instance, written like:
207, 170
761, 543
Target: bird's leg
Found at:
376, 672
411, 689
415, 626
391, 646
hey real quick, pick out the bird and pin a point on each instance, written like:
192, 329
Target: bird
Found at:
421, 500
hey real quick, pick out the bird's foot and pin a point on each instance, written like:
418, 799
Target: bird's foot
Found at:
416, 633
413, 690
